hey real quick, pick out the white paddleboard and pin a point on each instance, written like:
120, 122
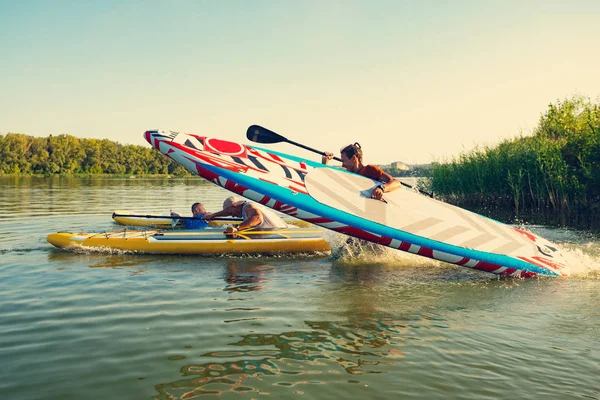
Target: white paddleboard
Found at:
338, 200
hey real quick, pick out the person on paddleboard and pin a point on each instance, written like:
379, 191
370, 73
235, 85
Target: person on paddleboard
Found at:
198, 211
254, 216
352, 160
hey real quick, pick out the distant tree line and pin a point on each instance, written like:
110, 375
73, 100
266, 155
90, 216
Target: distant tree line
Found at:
557, 168
65, 154
421, 171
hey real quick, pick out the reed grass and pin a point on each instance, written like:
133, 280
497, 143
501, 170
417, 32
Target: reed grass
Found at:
557, 168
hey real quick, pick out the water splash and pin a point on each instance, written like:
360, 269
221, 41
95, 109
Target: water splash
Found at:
583, 260
350, 251
581, 249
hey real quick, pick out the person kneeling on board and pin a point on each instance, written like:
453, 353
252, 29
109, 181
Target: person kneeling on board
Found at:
254, 216
352, 160
198, 211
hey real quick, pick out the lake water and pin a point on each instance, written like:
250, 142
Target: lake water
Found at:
127, 326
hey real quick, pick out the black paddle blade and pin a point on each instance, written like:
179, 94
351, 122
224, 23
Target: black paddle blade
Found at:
259, 134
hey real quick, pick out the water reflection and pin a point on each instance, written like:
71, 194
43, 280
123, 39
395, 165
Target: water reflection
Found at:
294, 358
99, 259
386, 316
47, 197
197, 326
245, 276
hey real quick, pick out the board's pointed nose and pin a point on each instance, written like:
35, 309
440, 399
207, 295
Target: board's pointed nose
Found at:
155, 136
148, 136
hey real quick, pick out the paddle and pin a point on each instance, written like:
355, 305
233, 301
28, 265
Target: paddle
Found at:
288, 232
170, 217
283, 233
258, 134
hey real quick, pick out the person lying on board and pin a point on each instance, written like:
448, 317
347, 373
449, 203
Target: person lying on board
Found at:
254, 215
198, 211
352, 160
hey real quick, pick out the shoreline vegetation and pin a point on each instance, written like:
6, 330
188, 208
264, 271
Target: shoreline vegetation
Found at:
24, 155
551, 177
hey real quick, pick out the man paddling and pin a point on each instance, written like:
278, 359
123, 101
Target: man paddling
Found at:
254, 216
352, 160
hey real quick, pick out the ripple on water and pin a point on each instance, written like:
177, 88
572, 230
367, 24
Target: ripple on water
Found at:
368, 325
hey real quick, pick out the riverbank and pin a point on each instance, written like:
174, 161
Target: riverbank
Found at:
90, 175
553, 175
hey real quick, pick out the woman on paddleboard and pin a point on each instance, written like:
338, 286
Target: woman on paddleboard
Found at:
254, 216
352, 160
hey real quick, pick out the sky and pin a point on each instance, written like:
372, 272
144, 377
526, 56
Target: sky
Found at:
410, 81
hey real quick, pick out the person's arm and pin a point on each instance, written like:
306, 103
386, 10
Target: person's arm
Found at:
255, 217
388, 184
208, 216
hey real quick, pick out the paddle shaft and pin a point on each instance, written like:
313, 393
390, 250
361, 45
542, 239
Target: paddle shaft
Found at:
259, 134
171, 217
412, 187
340, 160
247, 231
311, 149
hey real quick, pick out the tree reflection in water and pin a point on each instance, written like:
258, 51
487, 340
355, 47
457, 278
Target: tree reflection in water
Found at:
245, 276
297, 356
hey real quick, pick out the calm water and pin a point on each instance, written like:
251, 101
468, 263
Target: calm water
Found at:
126, 326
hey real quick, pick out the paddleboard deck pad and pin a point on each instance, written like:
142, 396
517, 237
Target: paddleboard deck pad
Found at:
203, 242
339, 200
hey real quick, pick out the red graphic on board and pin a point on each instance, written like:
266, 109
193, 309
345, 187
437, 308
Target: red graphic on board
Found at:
224, 147
529, 235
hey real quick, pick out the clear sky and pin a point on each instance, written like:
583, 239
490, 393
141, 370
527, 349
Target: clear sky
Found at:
412, 81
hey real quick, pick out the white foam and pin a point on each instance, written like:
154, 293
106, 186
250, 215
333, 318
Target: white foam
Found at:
583, 259
361, 251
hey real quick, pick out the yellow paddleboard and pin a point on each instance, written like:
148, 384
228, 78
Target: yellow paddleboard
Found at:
207, 241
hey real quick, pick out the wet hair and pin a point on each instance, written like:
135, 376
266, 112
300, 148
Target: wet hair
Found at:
353, 150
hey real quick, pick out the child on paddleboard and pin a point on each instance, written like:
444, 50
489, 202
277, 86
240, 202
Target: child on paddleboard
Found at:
198, 211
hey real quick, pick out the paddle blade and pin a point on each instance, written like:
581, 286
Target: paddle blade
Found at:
259, 134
